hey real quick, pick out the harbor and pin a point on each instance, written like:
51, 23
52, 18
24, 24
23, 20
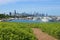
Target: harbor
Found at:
32, 19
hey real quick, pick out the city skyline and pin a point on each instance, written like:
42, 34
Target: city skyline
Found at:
52, 7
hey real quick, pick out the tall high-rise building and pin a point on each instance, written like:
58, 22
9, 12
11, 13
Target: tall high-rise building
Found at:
10, 14
46, 14
15, 13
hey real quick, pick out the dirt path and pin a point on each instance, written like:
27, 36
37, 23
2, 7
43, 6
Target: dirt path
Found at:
41, 35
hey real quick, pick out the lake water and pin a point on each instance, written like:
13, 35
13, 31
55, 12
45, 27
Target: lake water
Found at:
23, 20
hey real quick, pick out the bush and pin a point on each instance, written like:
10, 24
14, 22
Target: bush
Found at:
9, 32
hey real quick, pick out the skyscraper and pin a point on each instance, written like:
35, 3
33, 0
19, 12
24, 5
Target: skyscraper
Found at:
10, 14
15, 13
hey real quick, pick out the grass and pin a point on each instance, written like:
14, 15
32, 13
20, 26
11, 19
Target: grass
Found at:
52, 28
15, 31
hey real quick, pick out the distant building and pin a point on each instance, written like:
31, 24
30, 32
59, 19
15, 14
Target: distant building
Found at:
46, 14
15, 13
10, 14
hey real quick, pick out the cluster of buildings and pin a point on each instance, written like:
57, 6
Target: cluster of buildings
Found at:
24, 14
46, 18
34, 16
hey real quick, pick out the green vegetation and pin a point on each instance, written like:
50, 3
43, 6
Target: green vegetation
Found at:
13, 31
2, 16
22, 31
52, 28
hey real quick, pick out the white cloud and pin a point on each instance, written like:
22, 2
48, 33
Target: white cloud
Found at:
7, 1
11, 1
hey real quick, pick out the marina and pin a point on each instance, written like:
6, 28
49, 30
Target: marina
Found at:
32, 19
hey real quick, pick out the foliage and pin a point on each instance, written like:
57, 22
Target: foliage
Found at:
3, 16
52, 28
13, 31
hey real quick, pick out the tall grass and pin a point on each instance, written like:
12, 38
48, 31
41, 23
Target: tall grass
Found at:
52, 28
15, 31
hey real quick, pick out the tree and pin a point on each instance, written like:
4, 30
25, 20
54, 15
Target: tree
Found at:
2, 16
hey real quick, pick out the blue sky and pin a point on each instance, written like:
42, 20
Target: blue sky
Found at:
52, 7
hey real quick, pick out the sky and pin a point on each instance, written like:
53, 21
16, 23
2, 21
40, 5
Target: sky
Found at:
51, 7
